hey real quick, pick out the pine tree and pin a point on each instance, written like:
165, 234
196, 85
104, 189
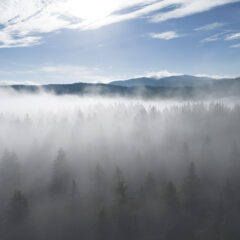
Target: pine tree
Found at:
171, 213
16, 225
191, 190
121, 192
9, 174
61, 179
18, 210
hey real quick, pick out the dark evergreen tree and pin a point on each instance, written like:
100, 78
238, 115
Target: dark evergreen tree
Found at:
16, 224
9, 175
18, 211
171, 198
191, 190
118, 175
121, 192
171, 217
61, 181
99, 186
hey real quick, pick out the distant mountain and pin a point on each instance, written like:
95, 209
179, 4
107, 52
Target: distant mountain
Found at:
72, 88
184, 87
173, 81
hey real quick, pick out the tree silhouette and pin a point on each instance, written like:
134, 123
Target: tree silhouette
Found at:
121, 192
18, 210
9, 174
16, 220
191, 190
61, 181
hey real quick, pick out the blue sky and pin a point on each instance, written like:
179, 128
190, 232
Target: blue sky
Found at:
63, 41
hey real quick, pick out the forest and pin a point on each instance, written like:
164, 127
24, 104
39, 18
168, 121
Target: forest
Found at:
112, 168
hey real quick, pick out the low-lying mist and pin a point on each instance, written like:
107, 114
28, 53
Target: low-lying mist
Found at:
114, 168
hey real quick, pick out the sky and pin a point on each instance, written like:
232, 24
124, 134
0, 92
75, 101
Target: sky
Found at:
65, 41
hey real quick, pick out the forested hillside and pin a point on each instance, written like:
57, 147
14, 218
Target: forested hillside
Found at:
119, 169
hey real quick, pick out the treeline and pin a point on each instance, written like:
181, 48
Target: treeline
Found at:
113, 203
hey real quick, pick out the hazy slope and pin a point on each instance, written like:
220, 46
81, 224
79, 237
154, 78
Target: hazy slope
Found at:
171, 87
173, 81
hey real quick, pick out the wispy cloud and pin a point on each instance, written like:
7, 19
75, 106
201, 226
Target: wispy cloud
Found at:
232, 36
212, 38
166, 73
165, 35
235, 45
214, 76
161, 74
210, 26
24, 21
185, 8
216, 37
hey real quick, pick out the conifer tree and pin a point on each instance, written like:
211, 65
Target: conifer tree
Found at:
60, 179
191, 190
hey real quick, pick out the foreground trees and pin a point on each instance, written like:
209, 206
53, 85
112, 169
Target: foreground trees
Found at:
16, 223
116, 207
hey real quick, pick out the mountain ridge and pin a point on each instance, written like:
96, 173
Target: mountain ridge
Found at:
212, 87
170, 81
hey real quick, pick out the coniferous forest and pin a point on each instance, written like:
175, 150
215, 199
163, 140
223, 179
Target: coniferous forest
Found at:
104, 169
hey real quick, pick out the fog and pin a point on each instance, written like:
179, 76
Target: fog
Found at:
76, 167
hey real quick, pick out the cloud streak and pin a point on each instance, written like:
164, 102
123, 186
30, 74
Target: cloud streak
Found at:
23, 22
233, 36
235, 45
210, 26
211, 38
165, 35
218, 36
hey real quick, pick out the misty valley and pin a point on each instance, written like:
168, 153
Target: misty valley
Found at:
119, 119
85, 167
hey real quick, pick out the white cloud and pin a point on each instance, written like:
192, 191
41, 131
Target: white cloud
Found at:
209, 27
235, 45
165, 35
212, 38
219, 36
214, 76
24, 21
162, 74
185, 8
233, 36
165, 73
